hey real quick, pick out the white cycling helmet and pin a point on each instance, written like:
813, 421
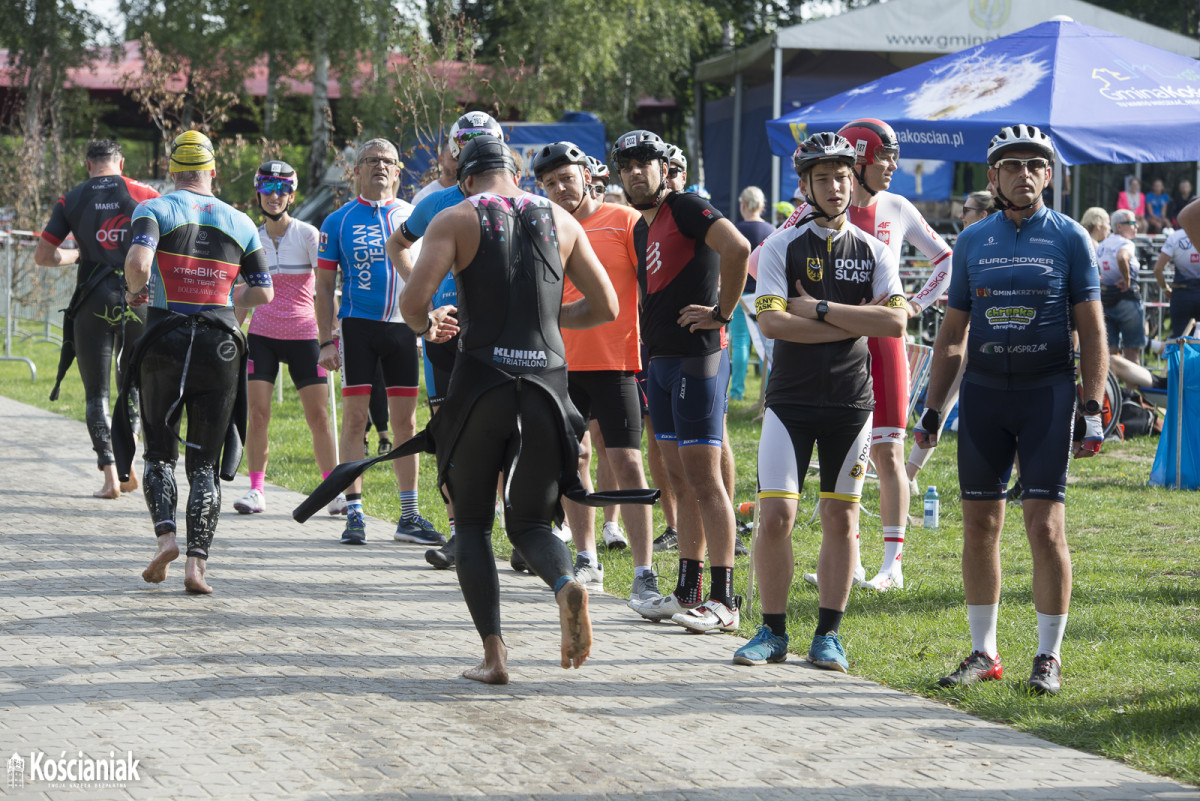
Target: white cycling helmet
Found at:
1019, 137
470, 125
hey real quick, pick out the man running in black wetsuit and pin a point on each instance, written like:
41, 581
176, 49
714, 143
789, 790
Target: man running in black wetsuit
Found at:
98, 322
188, 248
507, 408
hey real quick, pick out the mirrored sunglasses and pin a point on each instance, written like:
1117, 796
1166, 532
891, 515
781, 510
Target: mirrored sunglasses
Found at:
278, 186
1016, 165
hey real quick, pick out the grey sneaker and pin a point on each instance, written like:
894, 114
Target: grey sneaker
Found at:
645, 589
589, 575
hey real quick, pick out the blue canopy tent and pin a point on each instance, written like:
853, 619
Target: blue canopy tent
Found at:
1100, 97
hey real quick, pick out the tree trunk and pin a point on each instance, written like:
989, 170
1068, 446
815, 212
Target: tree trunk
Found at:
320, 109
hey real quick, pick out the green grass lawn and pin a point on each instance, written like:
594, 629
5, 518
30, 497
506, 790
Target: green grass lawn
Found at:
1132, 651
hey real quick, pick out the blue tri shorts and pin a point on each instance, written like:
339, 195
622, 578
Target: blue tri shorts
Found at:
688, 396
994, 425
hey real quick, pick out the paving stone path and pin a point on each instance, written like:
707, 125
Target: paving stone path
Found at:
319, 671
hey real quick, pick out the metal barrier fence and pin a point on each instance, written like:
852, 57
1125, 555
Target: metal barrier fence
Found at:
33, 296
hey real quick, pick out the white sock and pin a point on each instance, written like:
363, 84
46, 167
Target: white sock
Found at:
641, 570
1050, 634
589, 557
893, 548
983, 619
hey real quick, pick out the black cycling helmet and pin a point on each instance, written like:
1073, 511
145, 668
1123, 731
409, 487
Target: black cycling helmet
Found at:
278, 170
277, 175
822, 148
1018, 137
552, 156
644, 146
869, 137
641, 145
482, 153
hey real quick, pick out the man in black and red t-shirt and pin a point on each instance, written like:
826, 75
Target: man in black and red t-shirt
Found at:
97, 321
692, 270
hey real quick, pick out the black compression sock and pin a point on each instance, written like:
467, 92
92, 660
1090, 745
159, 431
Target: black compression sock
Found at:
776, 623
691, 579
722, 584
828, 621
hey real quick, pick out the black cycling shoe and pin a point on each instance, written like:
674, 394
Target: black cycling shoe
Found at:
739, 547
1046, 678
668, 541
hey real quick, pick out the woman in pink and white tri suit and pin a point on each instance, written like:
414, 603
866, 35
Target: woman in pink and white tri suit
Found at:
892, 219
285, 331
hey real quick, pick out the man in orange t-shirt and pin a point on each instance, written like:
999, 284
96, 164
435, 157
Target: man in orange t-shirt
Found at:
601, 363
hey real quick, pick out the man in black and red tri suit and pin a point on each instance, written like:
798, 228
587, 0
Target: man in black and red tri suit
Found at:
98, 322
692, 270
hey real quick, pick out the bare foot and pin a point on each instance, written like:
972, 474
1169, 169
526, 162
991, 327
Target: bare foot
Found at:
130, 485
193, 577
494, 667
576, 625
168, 552
108, 491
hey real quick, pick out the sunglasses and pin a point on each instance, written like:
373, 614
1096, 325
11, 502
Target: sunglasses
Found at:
675, 172
1016, 165
372, 161
275, 186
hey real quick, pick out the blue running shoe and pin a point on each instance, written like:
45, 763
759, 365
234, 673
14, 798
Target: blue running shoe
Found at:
419, 530
763, 648
356, 529
826, 652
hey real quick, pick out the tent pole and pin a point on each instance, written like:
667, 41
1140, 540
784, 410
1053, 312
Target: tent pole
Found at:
777, 112
1058, 182
735, 163
698, 123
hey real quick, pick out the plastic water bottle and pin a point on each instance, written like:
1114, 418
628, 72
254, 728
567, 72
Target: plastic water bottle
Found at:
932, 507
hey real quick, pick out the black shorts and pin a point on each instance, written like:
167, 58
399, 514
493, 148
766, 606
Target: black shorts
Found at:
640, 376
994, 425
367, 343
610, 397
300, 356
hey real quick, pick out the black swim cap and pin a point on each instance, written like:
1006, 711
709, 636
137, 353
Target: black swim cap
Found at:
483, 153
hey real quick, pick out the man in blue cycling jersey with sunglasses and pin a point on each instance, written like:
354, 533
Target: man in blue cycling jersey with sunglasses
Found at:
1020, 281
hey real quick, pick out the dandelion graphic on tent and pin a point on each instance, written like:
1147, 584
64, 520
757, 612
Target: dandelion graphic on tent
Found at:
974, 84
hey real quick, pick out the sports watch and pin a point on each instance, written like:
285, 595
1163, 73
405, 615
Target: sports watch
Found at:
1091, 407
822, 310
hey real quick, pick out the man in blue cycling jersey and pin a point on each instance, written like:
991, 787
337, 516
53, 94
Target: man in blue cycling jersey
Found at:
372, 332
1019, 280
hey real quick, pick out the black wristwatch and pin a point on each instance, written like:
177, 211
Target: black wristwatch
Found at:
716, 315
1091, 407
822, 310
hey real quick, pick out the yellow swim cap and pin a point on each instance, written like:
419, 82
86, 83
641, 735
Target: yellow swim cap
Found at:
191, 150
784, 209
